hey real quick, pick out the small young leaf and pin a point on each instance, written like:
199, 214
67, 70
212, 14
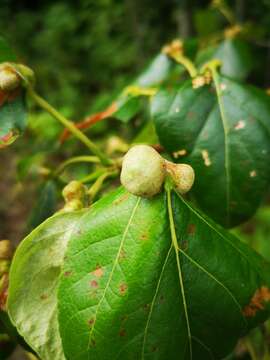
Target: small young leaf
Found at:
136, 285
226, 137
33, 278
235, 55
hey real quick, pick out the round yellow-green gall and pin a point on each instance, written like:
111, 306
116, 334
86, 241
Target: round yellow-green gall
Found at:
183, 176
143, 171
9, 80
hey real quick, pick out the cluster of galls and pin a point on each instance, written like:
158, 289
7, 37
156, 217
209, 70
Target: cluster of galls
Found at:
144, 172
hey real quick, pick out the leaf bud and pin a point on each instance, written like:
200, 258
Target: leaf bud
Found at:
182, 175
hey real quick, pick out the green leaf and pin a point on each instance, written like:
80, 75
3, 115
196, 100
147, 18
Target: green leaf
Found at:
45, 204
12, 105
12, 117
6, 53
34, 274
226, 136
157, 71
235, 55
127, 107
139, 283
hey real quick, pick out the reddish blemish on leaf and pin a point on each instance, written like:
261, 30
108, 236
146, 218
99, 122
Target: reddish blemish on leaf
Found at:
122, 332
93, 342
94, 284
257, 302
67, 273
191, 229
98, 272
144, 236
91, 322
122, 255
123, 289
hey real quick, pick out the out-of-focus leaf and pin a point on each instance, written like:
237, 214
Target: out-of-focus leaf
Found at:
12, 117
225, 136
6, 53
156, 72
147, 135
34, 277
235, 55
12, 105
45, 204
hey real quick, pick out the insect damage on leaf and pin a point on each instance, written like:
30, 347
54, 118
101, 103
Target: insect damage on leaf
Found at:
257, 302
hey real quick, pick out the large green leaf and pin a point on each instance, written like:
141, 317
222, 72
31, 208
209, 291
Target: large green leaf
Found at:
34, 277
226, 136
140, 282
235, 55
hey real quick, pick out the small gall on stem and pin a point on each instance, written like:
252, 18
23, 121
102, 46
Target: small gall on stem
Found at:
74, 194
182, 175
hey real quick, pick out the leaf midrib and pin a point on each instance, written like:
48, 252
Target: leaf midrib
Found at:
113, 268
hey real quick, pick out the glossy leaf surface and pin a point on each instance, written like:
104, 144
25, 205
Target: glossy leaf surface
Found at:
235, 55
225, 136
34, 277
127, 292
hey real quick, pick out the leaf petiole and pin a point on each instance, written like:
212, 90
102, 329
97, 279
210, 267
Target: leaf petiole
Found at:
69, 125
74, 160
96, 187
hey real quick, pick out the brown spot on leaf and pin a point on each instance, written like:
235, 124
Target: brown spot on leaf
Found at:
91, 322
191, 229
154, 348
67, 273
98, 272
122, 254
144, 236
43, 296
121, 199
122, 332
257, 302
161, 299
93, 342
94, 284
123, 289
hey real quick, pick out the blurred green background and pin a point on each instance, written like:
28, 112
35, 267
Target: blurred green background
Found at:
83, 53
